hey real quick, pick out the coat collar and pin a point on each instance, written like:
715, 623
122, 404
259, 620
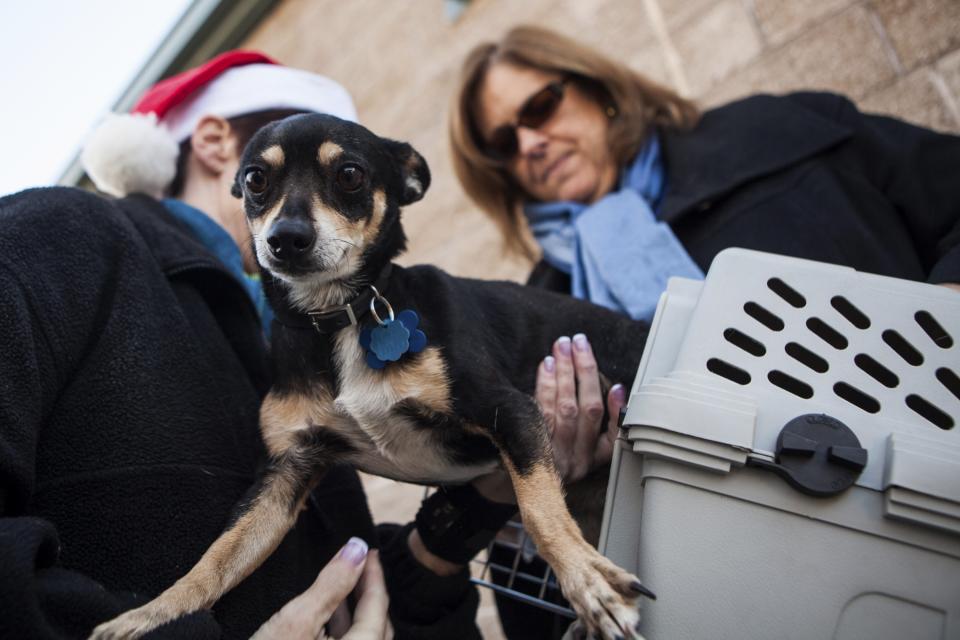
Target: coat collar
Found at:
179, 255
736, 143
170, 240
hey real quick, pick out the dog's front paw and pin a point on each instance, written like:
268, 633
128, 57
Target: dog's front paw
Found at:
128, 626
605, 597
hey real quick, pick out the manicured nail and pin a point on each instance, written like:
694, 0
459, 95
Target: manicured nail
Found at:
354, 551
564, 345
549, 364
619, 393
580, 341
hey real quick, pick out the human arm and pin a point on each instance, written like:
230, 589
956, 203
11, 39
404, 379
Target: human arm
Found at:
430, 598
925, 188
915, 169
41, 597
41, 548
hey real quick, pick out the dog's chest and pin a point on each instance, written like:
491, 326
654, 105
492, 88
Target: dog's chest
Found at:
393, 443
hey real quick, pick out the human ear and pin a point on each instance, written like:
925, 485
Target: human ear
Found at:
213, 145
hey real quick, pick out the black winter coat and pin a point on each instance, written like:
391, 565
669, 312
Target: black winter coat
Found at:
809, 176
131, 373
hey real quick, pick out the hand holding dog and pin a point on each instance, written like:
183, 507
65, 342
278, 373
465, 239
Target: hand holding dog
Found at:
306, 615
569, 395
568, 391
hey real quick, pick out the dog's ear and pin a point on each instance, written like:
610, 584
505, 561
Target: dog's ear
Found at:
235, 190
414, 172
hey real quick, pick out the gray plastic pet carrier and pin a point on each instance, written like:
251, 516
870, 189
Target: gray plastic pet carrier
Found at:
791, 461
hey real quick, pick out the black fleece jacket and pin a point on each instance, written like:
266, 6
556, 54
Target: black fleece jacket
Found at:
131, 373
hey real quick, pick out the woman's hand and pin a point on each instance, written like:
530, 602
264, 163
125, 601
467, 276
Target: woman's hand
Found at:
305, 616
568, 391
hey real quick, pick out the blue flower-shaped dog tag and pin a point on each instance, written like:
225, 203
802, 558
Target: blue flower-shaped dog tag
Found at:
418, 339
388, 342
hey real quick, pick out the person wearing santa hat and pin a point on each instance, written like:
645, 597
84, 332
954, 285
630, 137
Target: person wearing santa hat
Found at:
132, 365
184, 137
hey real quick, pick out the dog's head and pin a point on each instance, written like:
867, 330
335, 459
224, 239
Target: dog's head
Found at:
322, 197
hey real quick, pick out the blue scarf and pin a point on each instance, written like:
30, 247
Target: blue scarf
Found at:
616, 251
221, 244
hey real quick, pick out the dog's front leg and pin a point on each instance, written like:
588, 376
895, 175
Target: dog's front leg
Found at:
603, 595
257, 528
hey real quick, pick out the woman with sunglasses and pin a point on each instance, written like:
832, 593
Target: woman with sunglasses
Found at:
621, 184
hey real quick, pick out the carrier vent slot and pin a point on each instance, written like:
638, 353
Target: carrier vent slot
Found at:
950, 380
856, 317
930, 412
876, 370
791, 384
856, 397
827, 333
903, 348
745, 342
787, 292
936, 332
763, 316
728, 371
804, 356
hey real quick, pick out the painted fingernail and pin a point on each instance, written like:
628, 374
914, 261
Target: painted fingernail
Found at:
564, 345
354, 551
549, 364
619, 393
580, 341
642, 590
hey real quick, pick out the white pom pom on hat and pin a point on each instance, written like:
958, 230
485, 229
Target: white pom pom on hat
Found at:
130, 153
137, 152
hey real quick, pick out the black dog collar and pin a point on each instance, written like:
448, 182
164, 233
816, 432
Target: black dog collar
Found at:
331, 320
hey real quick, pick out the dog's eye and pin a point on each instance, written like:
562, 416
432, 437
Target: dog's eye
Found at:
350, 177
255, 180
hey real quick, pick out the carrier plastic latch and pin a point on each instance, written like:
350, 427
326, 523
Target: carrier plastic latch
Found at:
818, 455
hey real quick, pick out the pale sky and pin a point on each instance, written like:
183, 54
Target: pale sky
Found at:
66, 62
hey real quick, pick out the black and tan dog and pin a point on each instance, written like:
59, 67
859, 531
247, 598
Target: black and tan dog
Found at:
444, 398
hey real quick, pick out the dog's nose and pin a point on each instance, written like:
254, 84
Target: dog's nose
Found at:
289, 239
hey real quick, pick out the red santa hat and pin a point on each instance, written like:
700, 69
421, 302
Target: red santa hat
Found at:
137, 152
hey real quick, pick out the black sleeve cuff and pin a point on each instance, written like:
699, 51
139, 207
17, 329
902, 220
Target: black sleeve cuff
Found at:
457, 523
423, 605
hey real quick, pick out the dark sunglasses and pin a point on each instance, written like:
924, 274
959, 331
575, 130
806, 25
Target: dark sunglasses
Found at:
533, 114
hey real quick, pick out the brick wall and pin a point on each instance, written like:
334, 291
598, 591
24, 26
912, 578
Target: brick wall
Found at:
400, 59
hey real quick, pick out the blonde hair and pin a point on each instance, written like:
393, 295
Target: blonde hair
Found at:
636, 102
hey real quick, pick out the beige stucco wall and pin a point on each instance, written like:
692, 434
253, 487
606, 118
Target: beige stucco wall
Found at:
400, 58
